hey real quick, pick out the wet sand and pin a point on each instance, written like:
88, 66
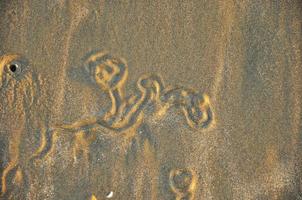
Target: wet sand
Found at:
150, 100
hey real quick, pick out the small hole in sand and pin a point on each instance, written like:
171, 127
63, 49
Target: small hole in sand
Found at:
13, 67
109, 195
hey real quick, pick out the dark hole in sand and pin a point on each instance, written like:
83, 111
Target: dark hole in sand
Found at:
13, 67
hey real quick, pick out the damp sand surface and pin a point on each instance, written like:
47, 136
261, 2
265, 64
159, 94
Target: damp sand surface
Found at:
150, 100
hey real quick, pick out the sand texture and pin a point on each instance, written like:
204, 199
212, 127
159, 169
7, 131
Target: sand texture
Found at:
150, 100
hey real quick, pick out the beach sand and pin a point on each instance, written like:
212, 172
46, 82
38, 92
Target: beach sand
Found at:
150, 100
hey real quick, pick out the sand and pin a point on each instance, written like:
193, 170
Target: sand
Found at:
150, 100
